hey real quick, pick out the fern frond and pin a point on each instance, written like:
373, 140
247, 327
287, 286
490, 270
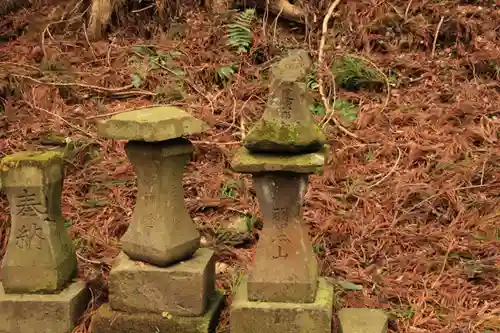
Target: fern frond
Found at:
239, 33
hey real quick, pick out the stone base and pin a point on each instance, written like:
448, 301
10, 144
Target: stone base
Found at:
106, 320
266, 317
182, 289
39, 313
363, 320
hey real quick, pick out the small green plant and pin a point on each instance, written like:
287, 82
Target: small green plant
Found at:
229, 189
251, 220
224, 74
348, 112
312, 83
318, 249
239, 33
353, 74
368, 156
403, 311
155, 60
317, 109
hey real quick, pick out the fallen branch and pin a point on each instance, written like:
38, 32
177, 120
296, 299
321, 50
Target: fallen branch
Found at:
390, 171
120, 91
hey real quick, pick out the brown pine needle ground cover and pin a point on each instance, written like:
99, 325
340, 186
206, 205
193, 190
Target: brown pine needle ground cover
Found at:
406, 219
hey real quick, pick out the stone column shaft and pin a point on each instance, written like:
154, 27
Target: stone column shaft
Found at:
40, 255
161, 231
286, 268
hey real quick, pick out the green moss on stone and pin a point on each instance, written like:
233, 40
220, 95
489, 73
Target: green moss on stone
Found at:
151, 125
107, 320
269, 317
30, 158
276, 135
247, 162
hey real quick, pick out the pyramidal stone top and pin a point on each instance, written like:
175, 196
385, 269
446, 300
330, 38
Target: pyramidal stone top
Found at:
151, 125
287, 125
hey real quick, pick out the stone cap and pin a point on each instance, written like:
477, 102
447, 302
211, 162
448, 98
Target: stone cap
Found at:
150, 125
40, 159
31, 167
246, 162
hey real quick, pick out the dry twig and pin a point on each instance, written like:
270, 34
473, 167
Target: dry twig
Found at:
380, 181
436, 36
116, 91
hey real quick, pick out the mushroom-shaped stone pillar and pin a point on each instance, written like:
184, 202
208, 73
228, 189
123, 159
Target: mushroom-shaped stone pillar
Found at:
283, 292
40, 263
163, 281
161, 231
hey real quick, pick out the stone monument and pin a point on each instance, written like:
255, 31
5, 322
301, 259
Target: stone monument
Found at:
162, 281
354, 320
37, 292
283, 292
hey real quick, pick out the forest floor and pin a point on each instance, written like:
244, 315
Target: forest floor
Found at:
405, 218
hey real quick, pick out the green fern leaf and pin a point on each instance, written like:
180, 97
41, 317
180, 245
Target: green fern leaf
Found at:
239, 33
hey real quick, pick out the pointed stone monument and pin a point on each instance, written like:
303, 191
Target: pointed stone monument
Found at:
283, 292
162, 281
37, 292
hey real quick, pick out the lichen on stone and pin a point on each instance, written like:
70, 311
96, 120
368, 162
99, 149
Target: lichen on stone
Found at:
276, 135
287, 125
31, 158
151, 125
247, 162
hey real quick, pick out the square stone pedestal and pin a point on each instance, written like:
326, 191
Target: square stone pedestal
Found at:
106, 320
182, 289
355, 320
270, 317
43, 313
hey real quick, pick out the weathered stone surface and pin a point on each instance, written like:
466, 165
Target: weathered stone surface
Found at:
287, 125
181, 289
54, 313
105, 320
269, 317
247, 162
151, 125
363, 321
161, 231
40, 255
285, 266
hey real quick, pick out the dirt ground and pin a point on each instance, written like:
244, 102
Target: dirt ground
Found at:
406, 217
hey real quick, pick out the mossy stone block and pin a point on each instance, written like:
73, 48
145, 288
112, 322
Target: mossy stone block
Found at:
54, 313
181, 289
106, 320
270, 317
151, 125
362, 320
245, 161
